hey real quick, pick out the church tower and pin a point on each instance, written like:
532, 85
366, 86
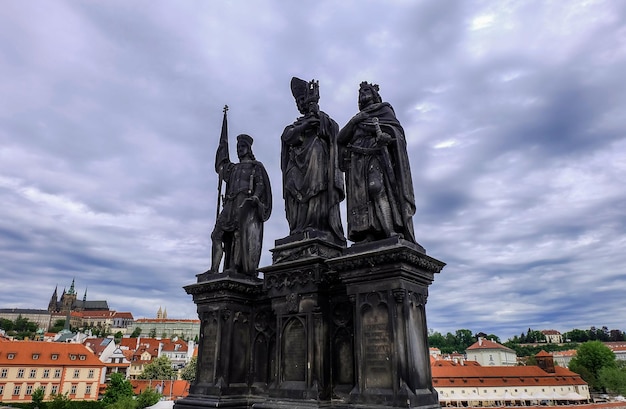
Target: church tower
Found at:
68, 299
52, 305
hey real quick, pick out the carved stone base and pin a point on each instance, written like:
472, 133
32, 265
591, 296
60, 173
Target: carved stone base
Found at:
388, 286
305, 245
327, 327
230, 308
199, 401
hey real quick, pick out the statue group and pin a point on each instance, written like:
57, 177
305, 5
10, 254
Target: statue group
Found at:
328, 326
370, 150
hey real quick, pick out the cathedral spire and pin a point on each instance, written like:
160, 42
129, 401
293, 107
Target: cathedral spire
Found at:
52, 305
71, 290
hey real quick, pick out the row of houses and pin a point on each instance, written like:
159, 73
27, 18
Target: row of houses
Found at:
82, 369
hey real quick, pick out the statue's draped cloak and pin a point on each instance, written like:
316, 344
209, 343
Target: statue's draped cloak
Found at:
313, 184
363, 152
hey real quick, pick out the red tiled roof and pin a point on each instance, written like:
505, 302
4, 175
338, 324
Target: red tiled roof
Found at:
487, 344
550, 332
543, 353
455, 375
97, 314
177, 389
166, 320
569, 352
123, 315
24, 352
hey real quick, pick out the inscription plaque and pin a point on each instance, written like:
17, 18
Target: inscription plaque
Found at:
208, 356
377, 347
294, 351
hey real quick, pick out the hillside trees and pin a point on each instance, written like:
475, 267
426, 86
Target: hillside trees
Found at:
21, 328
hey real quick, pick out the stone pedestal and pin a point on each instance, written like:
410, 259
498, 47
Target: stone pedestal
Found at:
301, 289
230, 308
387, 282
328, 326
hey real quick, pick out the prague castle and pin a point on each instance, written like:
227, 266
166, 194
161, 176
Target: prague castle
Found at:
68, 302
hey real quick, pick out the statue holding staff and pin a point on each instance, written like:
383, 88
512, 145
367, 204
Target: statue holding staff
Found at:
247, 204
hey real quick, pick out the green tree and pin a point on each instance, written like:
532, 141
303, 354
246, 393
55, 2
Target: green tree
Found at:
136, 333
57, 326
159, 368
188, 373
152, 333
576, 335
464, 339
60, 401
614, 379
590, 358
24, 325
118, 388
436, 340
534, 336
147, 397
124, 402
38, 396
6, 324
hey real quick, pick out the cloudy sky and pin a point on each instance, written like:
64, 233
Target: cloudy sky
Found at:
110, 113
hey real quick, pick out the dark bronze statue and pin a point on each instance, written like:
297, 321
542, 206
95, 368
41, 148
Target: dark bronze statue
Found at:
238, 233
381, 202
313, 184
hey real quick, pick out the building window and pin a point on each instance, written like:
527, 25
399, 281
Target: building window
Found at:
57, 373
16, 390
73, 390
20, 373
73, 357
10, 356
46, 373
88, 390
1, 390
82, 357
55, 357
90, 375
35, 356
54, 389
29, 390
3, 374
76, 373
33, 373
